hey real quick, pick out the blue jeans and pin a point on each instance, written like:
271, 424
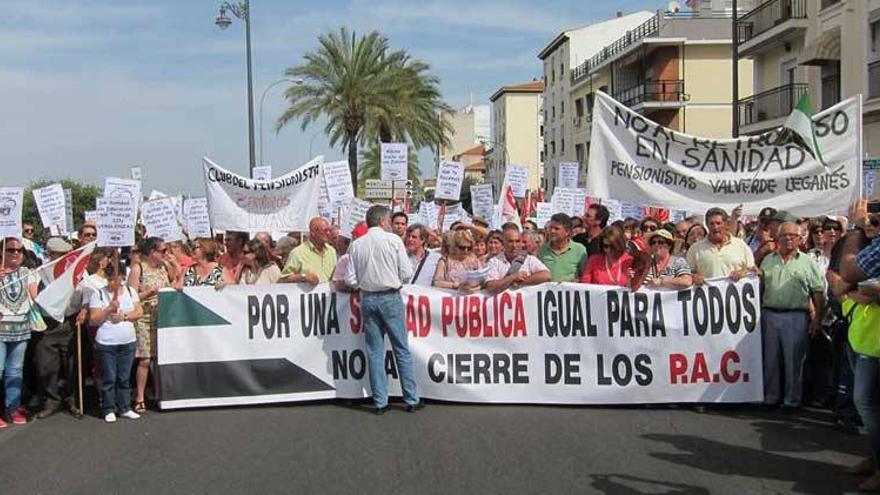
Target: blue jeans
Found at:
384, 314
11, 364
116, 361
866, 395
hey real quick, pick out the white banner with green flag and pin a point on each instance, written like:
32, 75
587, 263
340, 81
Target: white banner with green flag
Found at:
637, 160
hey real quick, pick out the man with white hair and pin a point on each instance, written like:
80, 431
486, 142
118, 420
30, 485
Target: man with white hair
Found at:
314, 260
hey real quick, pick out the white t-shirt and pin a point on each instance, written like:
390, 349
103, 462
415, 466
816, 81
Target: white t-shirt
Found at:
110, 333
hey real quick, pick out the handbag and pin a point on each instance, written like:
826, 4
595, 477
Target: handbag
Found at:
35, 317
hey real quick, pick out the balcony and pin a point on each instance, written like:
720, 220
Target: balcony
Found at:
874, 79
771, 104
646, 29
769, 20
660, 93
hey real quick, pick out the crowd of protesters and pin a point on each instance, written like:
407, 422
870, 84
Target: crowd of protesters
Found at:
820, 302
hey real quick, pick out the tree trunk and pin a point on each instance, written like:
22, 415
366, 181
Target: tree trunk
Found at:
353, 161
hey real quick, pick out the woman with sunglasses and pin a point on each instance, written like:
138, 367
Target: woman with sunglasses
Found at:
452, 269
205, 271
19, 288
614, 265
666, 270
259, 269
155, 271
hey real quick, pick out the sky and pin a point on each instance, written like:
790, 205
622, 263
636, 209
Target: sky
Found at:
90, 88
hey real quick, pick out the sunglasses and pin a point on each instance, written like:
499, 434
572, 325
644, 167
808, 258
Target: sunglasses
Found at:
465, 248
28, 231
833, 227
658, 242
14, 250
89, 234
649, 228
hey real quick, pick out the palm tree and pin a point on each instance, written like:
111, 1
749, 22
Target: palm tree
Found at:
366, 93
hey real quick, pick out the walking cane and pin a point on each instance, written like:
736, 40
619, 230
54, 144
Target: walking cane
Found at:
79, 370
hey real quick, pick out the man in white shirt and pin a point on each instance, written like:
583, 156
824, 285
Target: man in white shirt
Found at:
514, 268
424, 261
379, 266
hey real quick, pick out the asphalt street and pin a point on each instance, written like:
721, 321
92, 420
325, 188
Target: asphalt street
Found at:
445, 448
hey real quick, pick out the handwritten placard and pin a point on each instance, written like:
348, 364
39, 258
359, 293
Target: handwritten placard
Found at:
263, 173
569, 173
337, 178
198, 221
160, 219
10, 210
393, 164
116, 219
518, 178
51, 206
482, 200
450, 176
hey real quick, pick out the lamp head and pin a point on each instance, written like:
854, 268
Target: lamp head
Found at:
223, 21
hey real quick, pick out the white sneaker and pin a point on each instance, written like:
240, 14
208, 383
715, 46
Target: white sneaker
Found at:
110, 418
130, 415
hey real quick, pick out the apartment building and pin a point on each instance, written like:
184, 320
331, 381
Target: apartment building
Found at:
517, 128
675, 68
827, 48
569, 49
470, 127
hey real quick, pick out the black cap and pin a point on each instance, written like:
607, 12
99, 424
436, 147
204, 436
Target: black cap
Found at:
767, 213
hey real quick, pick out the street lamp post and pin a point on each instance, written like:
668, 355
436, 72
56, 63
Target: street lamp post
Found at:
242, 11
263, 98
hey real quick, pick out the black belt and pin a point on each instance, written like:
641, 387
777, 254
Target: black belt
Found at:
778, 310
380, 292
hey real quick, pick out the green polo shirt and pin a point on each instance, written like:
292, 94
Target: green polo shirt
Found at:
790, 285
305, 258
565, 266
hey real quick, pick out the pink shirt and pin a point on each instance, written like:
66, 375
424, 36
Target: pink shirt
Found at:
599, 272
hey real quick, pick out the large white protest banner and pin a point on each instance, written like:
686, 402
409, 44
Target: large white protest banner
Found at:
450, 176
198, 221
517, 177
393, 161
634, 159
285, 203
337, 179
569, 173
130, 188
51, 206
11, 199
116, 220
160, 219
552, 343
482, 200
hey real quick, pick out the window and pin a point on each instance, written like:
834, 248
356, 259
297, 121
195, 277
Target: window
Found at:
875, 36
579, 108
579, 153
562, 146
542, 130
542, 156
553, 111
552, 147
561, 108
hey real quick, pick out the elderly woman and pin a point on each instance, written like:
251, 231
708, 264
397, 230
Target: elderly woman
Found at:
666, 270
452, 269
259, 268
17, 294
613, 266
155, 271
113, 309
205, 271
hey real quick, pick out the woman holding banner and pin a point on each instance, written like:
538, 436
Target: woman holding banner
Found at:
452, 269
665, 270
614, 266
155, 271
114, 309
205, 271
259, 268
17, 313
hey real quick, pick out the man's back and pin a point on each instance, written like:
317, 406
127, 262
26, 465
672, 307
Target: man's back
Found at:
378, 262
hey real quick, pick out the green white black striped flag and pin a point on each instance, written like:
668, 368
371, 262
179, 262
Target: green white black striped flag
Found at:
799, 129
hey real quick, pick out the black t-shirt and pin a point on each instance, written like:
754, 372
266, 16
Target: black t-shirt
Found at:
593, 246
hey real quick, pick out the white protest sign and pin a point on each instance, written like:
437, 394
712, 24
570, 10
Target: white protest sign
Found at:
11, 199
51, 206
634, 159
352, 214
160, 219
518, 178
285, 203
137, 174
68, 210
198, 221
263, 173
450, 176
569, 173
428, 212
569, 201
324, 200
337, 177
482, 200
615, 211
631, 210
130, 188
91, 216
393, 164
116, 220
544, 212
